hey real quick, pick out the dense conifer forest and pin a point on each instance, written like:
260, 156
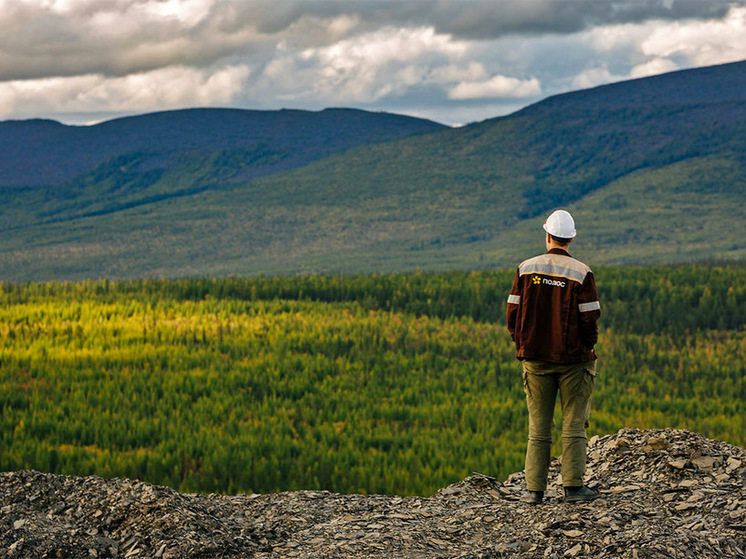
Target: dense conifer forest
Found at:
398, 383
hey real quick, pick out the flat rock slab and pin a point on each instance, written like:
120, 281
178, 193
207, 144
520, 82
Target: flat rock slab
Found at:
665, 494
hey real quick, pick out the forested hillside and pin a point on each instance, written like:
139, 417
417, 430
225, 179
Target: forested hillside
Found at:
385, 383
653, 169
231, 144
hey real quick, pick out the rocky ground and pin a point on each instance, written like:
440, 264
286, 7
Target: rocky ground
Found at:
666, 493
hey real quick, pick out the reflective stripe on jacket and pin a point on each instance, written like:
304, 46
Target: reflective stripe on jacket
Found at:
553, 309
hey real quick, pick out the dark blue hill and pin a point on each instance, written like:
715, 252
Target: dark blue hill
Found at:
47, 153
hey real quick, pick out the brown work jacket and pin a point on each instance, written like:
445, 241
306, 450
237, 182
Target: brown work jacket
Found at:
553, 309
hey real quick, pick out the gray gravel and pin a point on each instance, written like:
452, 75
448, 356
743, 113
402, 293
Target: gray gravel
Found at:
665, 494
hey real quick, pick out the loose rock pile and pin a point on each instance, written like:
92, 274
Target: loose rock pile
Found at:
666, 493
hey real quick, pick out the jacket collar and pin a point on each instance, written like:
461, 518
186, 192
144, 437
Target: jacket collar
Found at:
558, 251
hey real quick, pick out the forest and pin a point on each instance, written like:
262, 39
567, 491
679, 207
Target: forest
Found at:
395, 383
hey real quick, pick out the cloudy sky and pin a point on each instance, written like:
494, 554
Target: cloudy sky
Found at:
453, 61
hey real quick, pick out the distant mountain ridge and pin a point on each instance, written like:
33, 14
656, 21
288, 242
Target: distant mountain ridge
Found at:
47, 153
653, 169
723, 82
586, 139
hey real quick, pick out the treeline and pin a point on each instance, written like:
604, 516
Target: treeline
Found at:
675, 299
379, 383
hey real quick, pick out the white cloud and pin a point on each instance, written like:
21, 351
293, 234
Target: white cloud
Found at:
498, 86
454, 73
702, 43
364, 68
612, 38
168, 88
648, 48
593, 77
188, 12
653, 67
388, 45
343, 25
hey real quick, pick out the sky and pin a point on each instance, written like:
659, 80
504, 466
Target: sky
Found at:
452, 61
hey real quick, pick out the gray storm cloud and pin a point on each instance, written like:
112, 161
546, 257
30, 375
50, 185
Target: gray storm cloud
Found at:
490, 19
486, 19
118, 37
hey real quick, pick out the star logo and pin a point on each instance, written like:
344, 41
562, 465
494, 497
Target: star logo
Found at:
536, 280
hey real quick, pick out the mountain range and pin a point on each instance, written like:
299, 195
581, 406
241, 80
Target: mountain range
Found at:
653, 169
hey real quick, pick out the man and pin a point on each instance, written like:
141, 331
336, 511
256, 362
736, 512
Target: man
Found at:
552, 316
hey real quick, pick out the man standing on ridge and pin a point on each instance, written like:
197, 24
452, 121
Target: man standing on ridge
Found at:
552, 316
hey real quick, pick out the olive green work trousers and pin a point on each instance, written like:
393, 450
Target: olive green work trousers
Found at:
541, 382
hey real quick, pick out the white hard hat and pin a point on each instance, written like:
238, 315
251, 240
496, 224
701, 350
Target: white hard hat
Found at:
560, 224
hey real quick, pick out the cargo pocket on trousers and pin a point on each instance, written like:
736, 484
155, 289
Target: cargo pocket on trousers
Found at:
589, 383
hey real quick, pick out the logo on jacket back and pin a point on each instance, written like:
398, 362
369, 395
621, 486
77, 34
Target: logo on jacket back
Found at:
546, 281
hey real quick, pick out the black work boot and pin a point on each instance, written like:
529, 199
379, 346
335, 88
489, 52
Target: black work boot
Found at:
574, 494
532, 497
